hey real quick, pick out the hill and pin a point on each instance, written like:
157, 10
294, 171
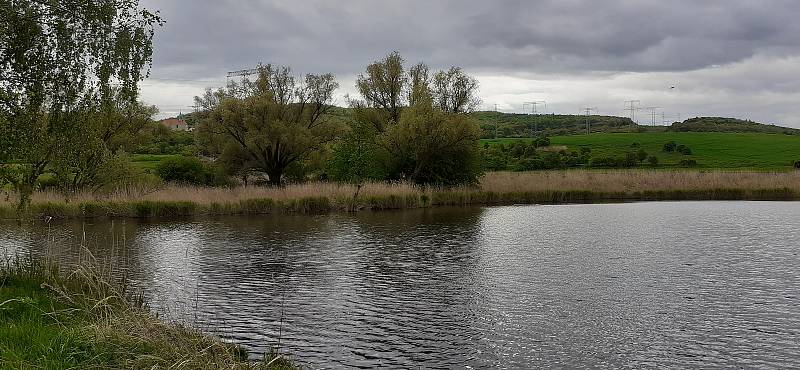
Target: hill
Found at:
709, 149
524, 125
720, 124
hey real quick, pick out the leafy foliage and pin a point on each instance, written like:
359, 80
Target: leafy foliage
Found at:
269, 124
64, 65
530, 156
720, 124
191, 170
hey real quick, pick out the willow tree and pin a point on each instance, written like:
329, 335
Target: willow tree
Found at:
61, 62
421, 130
268, 124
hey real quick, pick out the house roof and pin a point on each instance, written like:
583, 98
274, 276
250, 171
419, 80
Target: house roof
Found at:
173, 122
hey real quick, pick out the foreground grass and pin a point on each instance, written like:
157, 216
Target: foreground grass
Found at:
710, 149
494, 189
52, 321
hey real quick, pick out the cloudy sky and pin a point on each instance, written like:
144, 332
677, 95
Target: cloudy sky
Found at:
738, 58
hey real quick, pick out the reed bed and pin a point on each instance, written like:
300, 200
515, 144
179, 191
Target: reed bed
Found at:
638, 181
493, 188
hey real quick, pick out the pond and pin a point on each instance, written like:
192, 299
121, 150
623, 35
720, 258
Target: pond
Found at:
667, 284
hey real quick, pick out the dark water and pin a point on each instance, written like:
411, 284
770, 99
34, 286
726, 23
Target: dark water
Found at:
694, 284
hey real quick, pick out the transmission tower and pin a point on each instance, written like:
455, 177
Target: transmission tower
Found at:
534, 104
588, 112
653, 115
633, 108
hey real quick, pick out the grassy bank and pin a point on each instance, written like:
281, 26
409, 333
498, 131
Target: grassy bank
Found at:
709, 149
55, 321
494, 189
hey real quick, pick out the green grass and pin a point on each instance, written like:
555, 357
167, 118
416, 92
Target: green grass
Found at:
710, 149
150, 161
50, 320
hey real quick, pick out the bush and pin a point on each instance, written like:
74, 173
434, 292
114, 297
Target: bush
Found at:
688, 163
797, 164
542, 142
641, 155
670, 147
119, 174
683, 149
653, 160
191, 170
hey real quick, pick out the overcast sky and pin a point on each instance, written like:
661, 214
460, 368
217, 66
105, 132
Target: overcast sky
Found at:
738, 58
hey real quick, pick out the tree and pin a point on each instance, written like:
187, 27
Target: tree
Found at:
429, 146
419, 121
653, 160
273, 122
102, 134
59, 63
454, 91
383, 86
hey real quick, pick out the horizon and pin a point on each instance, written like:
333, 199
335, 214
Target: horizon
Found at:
725, 59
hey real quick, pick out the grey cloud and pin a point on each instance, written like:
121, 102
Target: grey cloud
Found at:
208, 37
547, 39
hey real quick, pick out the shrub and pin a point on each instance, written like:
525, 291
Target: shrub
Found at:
653, 160
119, 174
641, 155
191, 170
669, 147
683, 149
797, 164
542, 142
688, 163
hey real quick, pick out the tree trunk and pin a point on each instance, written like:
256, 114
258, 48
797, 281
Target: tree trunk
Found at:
25, 191
275, 177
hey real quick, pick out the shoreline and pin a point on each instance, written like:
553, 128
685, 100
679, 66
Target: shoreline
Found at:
495, 188
79, 319
92, 210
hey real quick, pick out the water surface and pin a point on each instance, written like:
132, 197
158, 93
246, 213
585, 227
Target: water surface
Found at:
690, 284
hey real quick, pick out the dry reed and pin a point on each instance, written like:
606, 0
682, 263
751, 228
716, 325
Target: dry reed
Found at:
493, 188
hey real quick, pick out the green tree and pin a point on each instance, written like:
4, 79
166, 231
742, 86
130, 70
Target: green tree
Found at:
273, 122
101, 134
429, 146
420, 124
382, 86
61, 62
454, 91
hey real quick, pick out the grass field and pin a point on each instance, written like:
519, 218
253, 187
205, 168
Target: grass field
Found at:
710, 149
150, 161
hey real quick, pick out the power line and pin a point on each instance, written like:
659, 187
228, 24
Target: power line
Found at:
533, 105
588, 112
633, 108
652, 115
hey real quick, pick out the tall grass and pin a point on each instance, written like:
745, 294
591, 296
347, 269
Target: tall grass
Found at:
493, 188
80, 319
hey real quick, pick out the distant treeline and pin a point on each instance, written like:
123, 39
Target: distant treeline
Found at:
513, 125
720, 124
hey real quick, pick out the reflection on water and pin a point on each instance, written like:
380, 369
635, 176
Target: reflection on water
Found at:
693, 284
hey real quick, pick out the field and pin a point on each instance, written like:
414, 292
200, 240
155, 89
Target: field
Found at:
710, 149
150, 161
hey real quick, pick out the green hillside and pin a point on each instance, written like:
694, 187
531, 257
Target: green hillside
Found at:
513, 125
719, 124
709, 149
524, 125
